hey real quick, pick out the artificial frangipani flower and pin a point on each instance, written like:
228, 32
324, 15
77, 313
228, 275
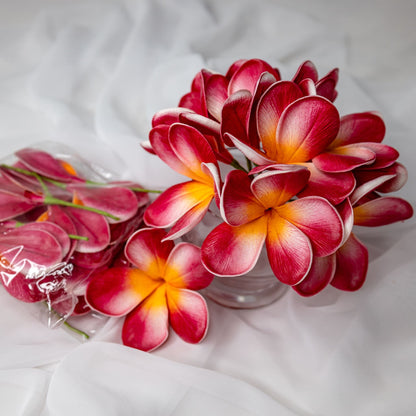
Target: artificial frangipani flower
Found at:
158, 291
311, 174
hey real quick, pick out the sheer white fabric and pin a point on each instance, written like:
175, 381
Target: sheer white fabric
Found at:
91, 74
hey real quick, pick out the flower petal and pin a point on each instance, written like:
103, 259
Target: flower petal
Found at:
247, 75
352, 265
146, 250
347, 215
116, 200
184, 268
20, 286
169, 116
251, 153
321, 273
216, 93
306, 70
192, 149
147, 326
318, 219
367, 187
175, 202
118, 290
275, 187
360, 127
159, 141
385, 155
270, 108
392, 185
189, 220
13, 204
305, 129
29, 250
188, 314
382, 211
232, 251
288, 249
91, 225
334, 187
235, 116
43, 163
344, 158
238, 204
326, 85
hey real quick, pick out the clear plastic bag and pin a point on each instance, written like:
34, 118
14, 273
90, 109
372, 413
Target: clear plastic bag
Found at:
62, 219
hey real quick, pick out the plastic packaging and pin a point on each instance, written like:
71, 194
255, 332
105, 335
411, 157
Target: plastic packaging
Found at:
61, 220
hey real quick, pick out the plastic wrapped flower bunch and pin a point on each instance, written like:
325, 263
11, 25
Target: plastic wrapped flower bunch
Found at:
57, 228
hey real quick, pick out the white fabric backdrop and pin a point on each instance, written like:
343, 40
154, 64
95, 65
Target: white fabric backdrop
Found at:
90, 74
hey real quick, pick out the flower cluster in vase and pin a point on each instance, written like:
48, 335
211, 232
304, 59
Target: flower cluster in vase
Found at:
285, 171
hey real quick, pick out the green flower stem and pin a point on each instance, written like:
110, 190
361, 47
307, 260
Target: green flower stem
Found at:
50, 200
76, 330
152, 191
77, 237
36, 175
249, 164
236, 165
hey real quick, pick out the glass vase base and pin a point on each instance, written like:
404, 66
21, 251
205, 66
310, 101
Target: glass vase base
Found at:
244, 292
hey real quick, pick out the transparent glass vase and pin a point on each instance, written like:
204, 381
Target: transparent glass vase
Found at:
257, 288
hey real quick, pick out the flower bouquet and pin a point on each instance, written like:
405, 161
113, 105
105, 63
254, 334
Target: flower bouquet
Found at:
271, 159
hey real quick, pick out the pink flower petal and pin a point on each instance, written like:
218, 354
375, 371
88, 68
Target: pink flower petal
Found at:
91, 225
235, 116
188, 314
333, 186
216, 94
43, 163
344, 158
184, 269
288, 249
247, 75
118, 290
347, 215
252, 154
306, 128
192, 149
232, 251
360, 127
306, 70
238, 204
146, 250
382, 211
55, 230
270, 108
367, 187
275, 187
169, 116
13, 204
321, 273
325, 87
205, 125
307, 86
317, 219
385, 155
116, 200
175, 202
189, 220
398, 171
20, 286
147, 326
159, 141
352, 264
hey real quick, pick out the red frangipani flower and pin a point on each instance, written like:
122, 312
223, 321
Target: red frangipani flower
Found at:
183, 205
258, 210
158, 291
